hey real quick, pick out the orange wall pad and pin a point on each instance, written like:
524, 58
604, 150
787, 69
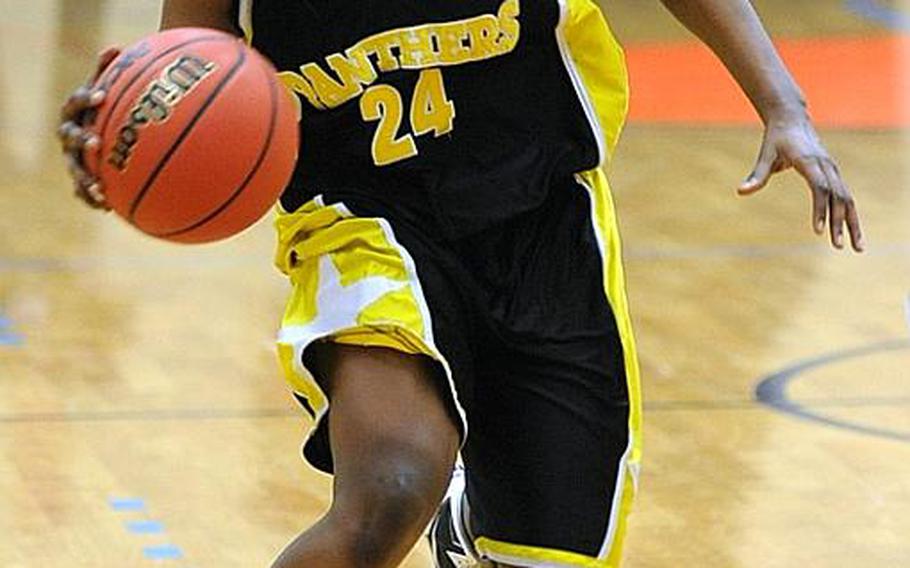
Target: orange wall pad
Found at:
849, 82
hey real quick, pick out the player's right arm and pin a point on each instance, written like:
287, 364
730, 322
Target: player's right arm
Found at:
732, 29
217, 14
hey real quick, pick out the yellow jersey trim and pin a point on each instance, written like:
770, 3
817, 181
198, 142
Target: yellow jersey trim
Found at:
596, 64
607, 231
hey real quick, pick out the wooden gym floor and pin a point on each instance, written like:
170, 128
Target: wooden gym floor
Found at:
144, 422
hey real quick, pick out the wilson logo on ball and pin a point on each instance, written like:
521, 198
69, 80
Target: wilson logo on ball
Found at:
158, 101
200, 166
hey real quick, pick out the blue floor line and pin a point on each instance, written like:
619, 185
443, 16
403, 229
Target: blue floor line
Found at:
126, 504
144, 527
162, 552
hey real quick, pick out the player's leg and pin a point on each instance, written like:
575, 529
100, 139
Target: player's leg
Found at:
393, 444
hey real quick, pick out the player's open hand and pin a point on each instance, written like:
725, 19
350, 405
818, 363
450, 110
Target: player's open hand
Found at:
75, 138
794, 143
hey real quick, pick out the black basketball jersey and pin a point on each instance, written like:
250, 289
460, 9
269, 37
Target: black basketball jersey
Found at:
459, 113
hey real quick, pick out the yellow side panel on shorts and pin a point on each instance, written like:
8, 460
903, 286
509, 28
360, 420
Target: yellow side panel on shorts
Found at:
349, 283
607, 228
295, 228
301, 308
395, 308
371, 257
599, 60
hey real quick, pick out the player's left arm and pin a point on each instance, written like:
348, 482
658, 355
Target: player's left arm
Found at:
732, 29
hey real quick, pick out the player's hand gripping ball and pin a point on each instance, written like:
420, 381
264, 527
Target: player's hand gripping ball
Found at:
197, 137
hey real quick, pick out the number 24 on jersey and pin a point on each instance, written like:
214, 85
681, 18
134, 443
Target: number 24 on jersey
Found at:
431, 111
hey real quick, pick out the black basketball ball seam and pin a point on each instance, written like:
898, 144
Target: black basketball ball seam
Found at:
273, 92
186, 131
138, 75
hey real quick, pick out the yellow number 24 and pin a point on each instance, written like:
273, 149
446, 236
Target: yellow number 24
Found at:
431, 111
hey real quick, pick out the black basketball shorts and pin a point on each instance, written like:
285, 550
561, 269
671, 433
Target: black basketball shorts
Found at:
528, 321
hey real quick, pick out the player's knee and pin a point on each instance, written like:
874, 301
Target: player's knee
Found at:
393, 501
392, 512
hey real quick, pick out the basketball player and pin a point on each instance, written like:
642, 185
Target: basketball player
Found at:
452, 245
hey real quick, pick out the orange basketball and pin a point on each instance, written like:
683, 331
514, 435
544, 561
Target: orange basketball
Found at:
198, 136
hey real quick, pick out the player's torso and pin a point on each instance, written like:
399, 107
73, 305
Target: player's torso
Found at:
461, 110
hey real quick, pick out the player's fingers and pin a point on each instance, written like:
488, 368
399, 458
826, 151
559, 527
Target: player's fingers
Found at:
822, 196
74, 104
766, 164
77, 171
819, 210
66, 132
83, 195
838, 211
82, 98
97, 197
89, 199
75, 139
104, 59
837, 207
810, 169
88, 189
853, 226
840, 197
844, 199
91, 195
